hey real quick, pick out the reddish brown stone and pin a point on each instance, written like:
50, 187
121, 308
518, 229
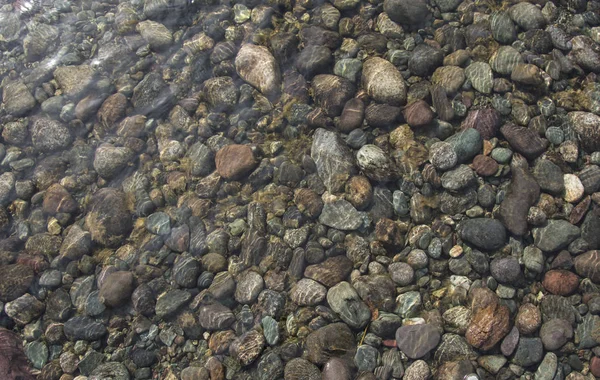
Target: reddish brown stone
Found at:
595, 366
486, 121
484, 165
13, 362
482, 298
418, 114
234, 161
57, 199
117, 288
561, 282
580, 210
529, 319
488, 326
112, 109
308, 202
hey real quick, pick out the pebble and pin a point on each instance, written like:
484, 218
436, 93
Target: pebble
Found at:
257, 66
116, 289
417, 341
484, 233
560, 282
383, 82
555, 333
234, 161
529, 352
345, 301
442, 155
574, 189
506, 270
522, 193
557, 234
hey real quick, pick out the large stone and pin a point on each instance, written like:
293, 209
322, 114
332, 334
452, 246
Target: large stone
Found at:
333, 158
410, 13
417, 341
383, 82
484, 233
108, 219
557, 234
333, 340
344, 300
235, 161
257, 66
522, 193
488, 326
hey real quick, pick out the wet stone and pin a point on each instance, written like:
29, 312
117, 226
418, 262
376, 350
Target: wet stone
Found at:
345, 301
84, 328
529, 352
366, 358
341, 215
117, 288
417, 340
170, 302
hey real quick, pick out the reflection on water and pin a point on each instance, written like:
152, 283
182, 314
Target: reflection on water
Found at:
301, 189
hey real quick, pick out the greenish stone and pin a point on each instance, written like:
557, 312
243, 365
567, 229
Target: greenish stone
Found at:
409, 304
270, 330
37, 353
348, 68
502, 155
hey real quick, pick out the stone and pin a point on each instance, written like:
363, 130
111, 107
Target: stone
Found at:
333, 340
529, 352
308, 292
376, 165
170, 302
527, 16
457, 179
116, 289
48, 135
108, 219
299, 368
331, 271
331, 93
383, 82
560, 282
248, 347
333, 158
587, 265
574, 189
340, 214
442, 155
529, 319
416, 341
158, 36
488, 326
547, 369
24, 309
74, 80
418, 114
506, 270
585, 126
524, 141
18, 101
345, 301
235, 161
484, 233
84, 328
110, 161
522, 193
411, 14
549, 176
257, 66
484, 165
556, 235
555, 333
424, 60
481, 76
215, 316
467, 144
15, 280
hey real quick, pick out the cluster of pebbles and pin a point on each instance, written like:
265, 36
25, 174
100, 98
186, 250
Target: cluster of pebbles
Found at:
300, 189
